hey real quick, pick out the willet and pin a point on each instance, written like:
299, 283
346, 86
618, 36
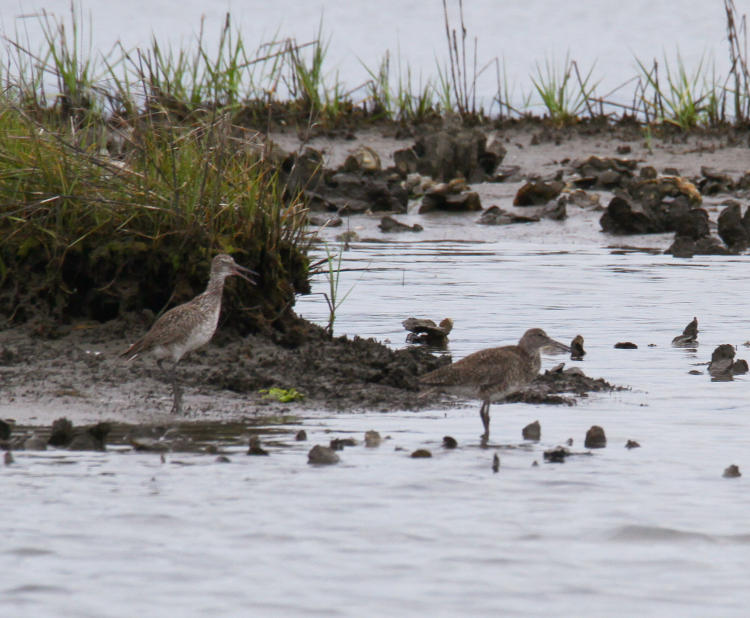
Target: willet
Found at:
494, 373
186, 327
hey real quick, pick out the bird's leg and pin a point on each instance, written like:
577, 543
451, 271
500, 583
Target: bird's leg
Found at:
484, 413
176, 388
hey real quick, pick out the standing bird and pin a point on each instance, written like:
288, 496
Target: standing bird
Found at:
494, 373
186, 327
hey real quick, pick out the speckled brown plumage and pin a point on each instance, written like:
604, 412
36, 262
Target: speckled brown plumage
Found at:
188, 326
493, 373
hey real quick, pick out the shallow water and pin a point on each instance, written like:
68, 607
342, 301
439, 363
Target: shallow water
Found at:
654, 530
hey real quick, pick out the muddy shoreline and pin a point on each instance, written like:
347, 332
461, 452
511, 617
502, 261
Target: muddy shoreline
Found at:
73, 370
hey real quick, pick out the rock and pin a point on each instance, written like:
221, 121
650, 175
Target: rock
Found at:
723, 366
421, 453
322, 455
684, 247
623, 216
223, 459
538, 193
495, 463
351, 193
495, 215
438, 198
255, 448
595, 438
714, 182
301, 172
362, 159
301, 435
372, 439
689, 336
732, 229
405, 161
581, 198
653, 191
626, 345
62, 433
732, 472
389, 224
506, 173
8, 458
532, 431
556, 455
4, 430
546, 386
338, 444
604, 172
426, 332
449, 442
35, 443
632, 444
325, 220
648, 172
576, 348
623, 149
555, 211
692, 224
453, 151
91, 438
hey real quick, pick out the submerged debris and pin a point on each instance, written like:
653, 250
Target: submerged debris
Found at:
626, 345
449, 442
576, 348
372, 439
632, 444
426, 332
556, 455
421, 453
732, 472
689, 336
595, 437
321, 456
532, 431
723, 366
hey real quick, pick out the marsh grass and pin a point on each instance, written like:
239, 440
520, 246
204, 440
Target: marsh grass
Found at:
81, 227
564, 93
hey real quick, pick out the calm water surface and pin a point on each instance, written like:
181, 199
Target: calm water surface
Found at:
654, 530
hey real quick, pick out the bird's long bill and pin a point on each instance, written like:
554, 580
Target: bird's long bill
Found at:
243, 272
555, 347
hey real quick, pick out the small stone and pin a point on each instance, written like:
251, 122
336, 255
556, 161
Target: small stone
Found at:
449, 442
301, 435
255, 448
372, 439
421, 453
537, 193
223, 459
338, 444
632, 444
532, 431
595, 438
495, 463
732, 472
322, 455
626, 345
8, 458
556, 455
623, 150
62, 432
